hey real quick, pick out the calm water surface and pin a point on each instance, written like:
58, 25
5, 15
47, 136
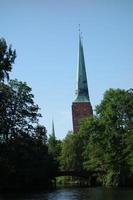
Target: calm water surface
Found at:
75, 194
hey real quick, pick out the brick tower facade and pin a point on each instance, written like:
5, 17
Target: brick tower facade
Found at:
81, 106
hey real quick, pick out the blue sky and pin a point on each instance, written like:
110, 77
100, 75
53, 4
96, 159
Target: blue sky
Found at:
45, 36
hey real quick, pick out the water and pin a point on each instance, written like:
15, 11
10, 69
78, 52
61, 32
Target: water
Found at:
75, 194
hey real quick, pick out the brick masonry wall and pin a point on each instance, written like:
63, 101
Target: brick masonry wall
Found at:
80, 111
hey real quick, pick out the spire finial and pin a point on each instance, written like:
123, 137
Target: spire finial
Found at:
79, 28
80, 33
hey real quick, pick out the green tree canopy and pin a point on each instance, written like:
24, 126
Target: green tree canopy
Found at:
109, 145
7, 58
18, 111
71, 158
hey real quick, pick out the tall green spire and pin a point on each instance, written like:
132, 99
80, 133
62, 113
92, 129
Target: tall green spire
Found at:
53, 130
82, 94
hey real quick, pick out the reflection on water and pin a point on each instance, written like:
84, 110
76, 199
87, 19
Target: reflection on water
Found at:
75, 194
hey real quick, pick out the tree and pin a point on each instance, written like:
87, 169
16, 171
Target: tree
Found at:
71, 158
108, 147
54, 150
25, 164
91, 137
18, 112
40, 134
7, 58
116, 111
24, 158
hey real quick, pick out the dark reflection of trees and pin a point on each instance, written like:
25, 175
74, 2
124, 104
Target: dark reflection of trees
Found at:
25, 196
74, 194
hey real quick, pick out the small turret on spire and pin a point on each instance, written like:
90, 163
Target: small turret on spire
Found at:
53, 129
79, 29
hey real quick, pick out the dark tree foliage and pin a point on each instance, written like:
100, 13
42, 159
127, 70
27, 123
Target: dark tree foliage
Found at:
54, 149
25, 162
7, 58
24, 158
40, 134
18, 111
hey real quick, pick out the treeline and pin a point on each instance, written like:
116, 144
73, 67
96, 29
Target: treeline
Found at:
25, 161
104, 142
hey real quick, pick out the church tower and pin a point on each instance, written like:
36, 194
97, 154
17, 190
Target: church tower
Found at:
81, 106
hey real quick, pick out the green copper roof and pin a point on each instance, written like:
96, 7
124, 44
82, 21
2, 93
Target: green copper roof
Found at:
82, 94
